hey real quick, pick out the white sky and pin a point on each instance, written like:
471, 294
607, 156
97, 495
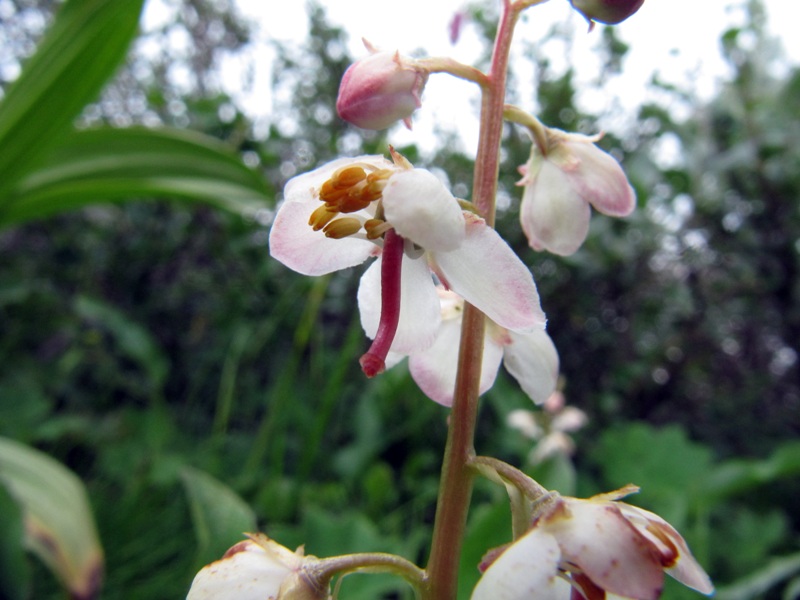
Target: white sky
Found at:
677, 38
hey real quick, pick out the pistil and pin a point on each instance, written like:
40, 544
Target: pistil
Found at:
374, 361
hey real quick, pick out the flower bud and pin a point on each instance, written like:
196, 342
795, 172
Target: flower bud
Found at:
610, 12
379, 90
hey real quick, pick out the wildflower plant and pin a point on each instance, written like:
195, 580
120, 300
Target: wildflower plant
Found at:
447, 292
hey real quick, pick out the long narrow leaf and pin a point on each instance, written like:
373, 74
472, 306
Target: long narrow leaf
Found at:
81, 50
110, 164
59, 526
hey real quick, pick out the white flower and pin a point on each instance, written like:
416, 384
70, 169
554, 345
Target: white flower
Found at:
530, 356
352, 209
549, 428
256, 569
599, 546
561, 183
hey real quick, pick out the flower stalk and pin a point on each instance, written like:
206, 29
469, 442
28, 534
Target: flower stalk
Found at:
455, 487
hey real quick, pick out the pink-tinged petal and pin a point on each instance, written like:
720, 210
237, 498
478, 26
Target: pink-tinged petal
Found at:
553, 214
677, 559
596, 539
532, 359
422, 210
487, 273
294, 243
527, 569
600, 180
247, 572
434, 370
419, 306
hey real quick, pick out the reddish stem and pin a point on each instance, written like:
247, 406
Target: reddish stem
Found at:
374, 361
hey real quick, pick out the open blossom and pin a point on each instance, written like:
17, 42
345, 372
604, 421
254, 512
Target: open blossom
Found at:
352, 209
561, 182
381, 89
530, 356
600, 547
257, 569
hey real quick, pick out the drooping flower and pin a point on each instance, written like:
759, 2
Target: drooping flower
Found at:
610, 12
258, 569
566, 175
381, 89
530, 356
352, 209
599, 546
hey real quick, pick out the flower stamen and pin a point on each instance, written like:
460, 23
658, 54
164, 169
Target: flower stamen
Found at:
341, 228
375, 228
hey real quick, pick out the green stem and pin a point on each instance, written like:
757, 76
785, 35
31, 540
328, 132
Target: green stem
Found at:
455, 488
371, 562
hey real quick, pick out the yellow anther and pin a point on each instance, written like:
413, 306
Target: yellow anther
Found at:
342, 227
376, 228
348, 176
321, 217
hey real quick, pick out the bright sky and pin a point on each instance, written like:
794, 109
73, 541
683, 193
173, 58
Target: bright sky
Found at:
677, 38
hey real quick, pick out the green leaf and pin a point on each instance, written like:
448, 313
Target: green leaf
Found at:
108, 164
220, 516
738, 476
671, 469
756, 584
133, 340
81, 50
59, 527
14, 570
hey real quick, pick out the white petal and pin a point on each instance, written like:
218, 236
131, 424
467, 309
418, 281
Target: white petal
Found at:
532, 359
686, 568
489, 275
600, 180
553, 214
597, 538
250, 574
435, 369
421, 209
527, 570
419, 305
309, 252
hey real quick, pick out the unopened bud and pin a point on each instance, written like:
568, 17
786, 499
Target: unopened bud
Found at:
379, 90
610, 12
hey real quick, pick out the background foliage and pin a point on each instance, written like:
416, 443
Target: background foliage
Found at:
154, 349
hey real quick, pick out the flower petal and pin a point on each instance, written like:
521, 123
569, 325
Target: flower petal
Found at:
528, 568
532, 359
434, 370
599, 540
309, 252
421, 209
419, 305
553, 214
489, 275
247, 572
685, 567
600, 180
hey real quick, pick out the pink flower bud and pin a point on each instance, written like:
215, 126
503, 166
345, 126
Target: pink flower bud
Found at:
379, 90
610, 12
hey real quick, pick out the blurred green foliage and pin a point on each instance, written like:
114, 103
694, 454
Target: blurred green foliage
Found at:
157, 351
